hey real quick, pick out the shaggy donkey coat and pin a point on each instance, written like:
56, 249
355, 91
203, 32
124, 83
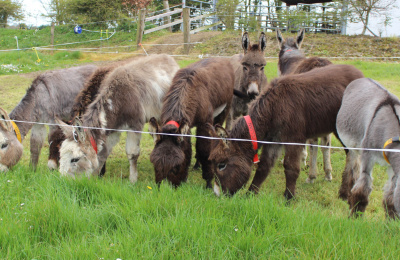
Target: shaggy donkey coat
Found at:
368, 117
129, 96
50, 94
250, 78
295, 108
82, 101
293, 61
200, 93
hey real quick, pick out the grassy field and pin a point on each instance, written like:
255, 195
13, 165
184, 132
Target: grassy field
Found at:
45, 216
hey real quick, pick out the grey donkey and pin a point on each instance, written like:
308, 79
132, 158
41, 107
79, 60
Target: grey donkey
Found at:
369, 118
129, 96
50, 94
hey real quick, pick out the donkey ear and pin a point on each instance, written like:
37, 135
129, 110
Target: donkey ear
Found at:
245, 42
184, 129
5, 124
154, 128
262, 42
300, 38
66, 129
279, 37
79, 131
223, 134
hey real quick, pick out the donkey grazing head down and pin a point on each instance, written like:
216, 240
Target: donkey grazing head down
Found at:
233, 166
79, 155
171, 154
294, 109
10, 147
252, 77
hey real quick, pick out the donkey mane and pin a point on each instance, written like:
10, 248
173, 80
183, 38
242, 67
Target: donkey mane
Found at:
178, 99
388, 101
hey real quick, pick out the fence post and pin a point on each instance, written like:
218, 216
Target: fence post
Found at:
167, 19
140, 26
52, 37
186, 29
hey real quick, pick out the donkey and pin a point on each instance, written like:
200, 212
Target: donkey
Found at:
293, 109
369, 118
200, 93
293, 61
129, 96
51, 93
250, 78
82, 101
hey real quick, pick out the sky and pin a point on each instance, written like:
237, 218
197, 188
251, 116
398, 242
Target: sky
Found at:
33, 9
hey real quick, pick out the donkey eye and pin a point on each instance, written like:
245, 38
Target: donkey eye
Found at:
262, 68
74, 160
3, 146
245, 68
221, 166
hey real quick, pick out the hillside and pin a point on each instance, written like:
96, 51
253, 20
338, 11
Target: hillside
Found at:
89, 47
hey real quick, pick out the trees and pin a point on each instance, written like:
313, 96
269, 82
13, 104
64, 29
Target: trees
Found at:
363, 9
9, 9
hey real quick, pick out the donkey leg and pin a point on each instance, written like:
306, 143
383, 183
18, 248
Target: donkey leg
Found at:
292, 169
56, 137
132, 151
388, 197
349, 175
203, 152
326, 153
270, 153
312, 174
102, 156
358, 199
37, 138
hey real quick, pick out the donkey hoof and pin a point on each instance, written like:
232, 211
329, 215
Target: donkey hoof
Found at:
328, 177
310, 180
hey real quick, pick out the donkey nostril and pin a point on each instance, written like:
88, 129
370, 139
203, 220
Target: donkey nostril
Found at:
74, 160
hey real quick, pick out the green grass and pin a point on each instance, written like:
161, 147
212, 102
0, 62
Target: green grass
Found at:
46, 216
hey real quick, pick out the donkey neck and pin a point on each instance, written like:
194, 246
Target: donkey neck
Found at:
25, 111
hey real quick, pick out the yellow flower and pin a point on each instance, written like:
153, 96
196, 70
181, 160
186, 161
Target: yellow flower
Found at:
150, 188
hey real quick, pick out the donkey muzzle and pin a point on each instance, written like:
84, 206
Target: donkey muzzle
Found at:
253, 91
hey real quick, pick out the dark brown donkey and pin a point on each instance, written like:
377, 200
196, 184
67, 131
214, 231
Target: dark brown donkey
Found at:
293, 61
82, 101
295, 108
200, 93
250, 78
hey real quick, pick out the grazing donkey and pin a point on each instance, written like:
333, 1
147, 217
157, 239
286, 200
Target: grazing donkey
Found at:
250, 78
200, 93
293, 109
82, 101
369, 118
50, 94
293, 61
129, 96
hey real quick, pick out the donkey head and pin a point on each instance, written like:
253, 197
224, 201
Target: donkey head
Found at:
170, 154
232, 167
289, 50
77, 153
253, 62
10, 147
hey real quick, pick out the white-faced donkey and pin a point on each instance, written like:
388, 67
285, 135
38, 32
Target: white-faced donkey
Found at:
129, 96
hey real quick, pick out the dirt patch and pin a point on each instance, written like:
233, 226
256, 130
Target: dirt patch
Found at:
173, 44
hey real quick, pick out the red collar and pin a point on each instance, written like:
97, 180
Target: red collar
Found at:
173, 123
253, 137
93, 142
288, 50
